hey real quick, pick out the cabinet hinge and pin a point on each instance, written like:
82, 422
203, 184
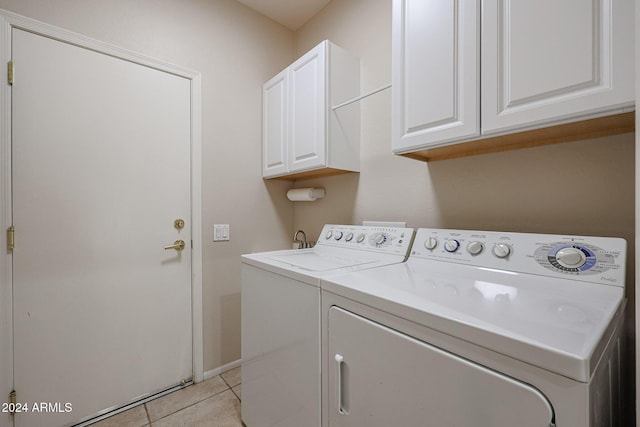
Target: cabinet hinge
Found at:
10, 238
12, 402
10, 72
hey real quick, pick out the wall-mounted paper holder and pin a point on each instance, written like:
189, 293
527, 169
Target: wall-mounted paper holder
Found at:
305, 194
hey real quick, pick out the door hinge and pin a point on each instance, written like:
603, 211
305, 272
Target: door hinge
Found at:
10, 72
10, 238
12, 402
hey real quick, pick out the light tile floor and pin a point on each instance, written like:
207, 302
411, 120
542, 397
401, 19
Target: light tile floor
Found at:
211, 403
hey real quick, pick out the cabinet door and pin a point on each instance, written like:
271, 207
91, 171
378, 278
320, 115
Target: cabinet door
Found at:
274, 126
307, 126
435, 72
548, 61
379, 377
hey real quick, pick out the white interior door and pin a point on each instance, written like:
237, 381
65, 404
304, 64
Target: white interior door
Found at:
101, 169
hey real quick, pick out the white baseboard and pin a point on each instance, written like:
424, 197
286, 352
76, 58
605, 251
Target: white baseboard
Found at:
221, 369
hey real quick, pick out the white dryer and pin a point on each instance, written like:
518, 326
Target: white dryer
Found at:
479, 329
281, 318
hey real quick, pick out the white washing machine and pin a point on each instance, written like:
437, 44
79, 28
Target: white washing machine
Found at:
479, 329
281, 318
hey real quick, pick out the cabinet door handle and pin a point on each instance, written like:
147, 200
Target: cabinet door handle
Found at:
341, 382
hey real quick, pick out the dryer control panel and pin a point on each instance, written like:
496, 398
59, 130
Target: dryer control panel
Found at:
590, 259
380, 239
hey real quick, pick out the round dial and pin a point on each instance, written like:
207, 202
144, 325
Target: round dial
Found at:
338, 235
451, 245
378, 239
475, 247
348, 237
571, 257
431, 243
328, 235
501, 250
360, 238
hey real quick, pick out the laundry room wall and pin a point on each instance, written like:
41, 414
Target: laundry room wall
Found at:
583, 187
236, 50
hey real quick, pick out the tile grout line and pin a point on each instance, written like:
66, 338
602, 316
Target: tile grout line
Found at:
146, 411
234, 393
230, 386
193, 404
227, 382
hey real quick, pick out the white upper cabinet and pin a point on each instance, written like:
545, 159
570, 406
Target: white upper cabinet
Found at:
435, 72
303, 136
467, 70
547, 61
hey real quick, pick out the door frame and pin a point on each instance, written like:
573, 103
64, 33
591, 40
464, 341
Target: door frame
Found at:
8, 21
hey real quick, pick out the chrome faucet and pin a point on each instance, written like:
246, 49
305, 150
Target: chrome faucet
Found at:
303, 243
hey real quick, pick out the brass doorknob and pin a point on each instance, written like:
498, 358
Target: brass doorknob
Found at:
178, 245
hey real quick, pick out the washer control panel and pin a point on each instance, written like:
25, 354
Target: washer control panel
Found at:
380, 239
590, 259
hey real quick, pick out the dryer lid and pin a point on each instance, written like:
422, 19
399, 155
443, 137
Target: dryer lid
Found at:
556, 324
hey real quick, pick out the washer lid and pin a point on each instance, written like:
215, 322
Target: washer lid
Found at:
340, 249
309, 265
556, 324
314, 262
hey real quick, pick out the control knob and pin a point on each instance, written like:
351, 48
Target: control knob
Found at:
348, 237
501, 250
338, 235
360, 238
431, 243
328, 235
378, 239
451, 245
571, 257
475, 247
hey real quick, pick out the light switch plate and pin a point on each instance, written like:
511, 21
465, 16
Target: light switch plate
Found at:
220, 232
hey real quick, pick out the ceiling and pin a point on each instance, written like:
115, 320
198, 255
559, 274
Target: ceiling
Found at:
293, 14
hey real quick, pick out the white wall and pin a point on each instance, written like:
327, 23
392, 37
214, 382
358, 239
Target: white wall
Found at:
236, 50
582, 187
